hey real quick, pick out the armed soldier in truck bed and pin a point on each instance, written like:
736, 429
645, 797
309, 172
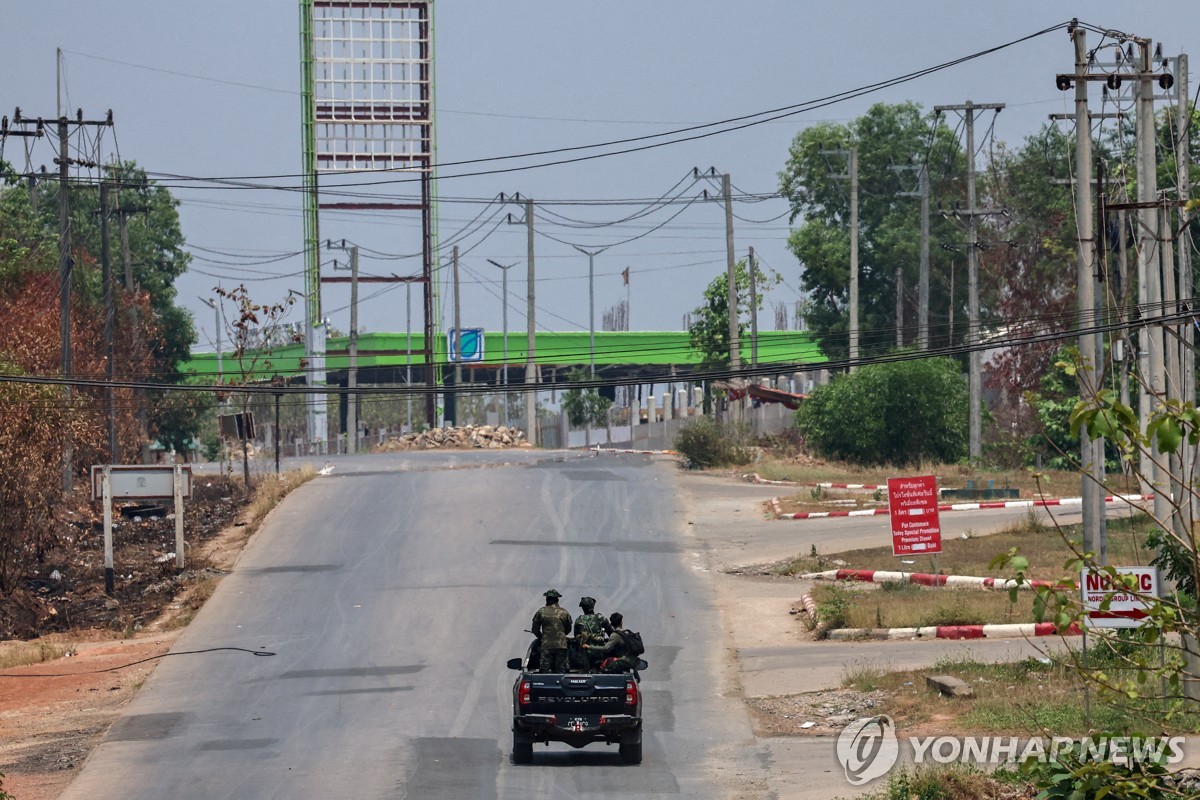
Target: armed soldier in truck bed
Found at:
590, 628
616, 654
551, 625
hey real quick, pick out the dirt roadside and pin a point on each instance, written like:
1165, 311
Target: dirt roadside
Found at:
54, 713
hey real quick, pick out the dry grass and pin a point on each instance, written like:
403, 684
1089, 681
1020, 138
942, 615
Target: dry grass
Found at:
908, 606
1052, 483
271, 489
1034, 696
947, 782
192, 600
18, 654
1043, 545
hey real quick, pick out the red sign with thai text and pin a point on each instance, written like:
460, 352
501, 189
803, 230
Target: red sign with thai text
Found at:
913, 505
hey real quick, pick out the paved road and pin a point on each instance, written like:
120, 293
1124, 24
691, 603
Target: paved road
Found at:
391, 596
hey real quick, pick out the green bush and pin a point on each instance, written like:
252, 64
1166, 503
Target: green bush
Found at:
704, 443
898, 413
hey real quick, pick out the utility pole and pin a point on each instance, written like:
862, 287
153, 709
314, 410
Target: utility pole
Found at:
1149, 275
352, 370
134, 322
352, 345
591, 254
457, 336
504, 268
66, 266
217, 326
975, 371
853, 258
65, 262
923, 280
531, 378
1091, 451
408, 352
1183, 178
852, 174
753, 311
109, 311
735, 344
923, 269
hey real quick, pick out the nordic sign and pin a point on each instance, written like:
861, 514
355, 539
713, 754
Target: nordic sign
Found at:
467, 347
1129, 596
913, 506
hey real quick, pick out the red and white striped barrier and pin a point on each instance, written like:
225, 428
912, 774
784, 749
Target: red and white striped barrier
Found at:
926, 579
1000, 631
810, 607
1128, 499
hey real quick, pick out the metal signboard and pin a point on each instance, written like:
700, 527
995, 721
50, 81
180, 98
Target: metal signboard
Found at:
1128, 603
913, 505
468, 347
142, 482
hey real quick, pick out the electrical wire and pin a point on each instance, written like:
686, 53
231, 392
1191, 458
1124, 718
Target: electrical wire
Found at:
259, 653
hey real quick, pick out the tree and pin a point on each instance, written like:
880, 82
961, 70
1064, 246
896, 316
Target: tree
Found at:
1150, 673
251, 328
157, 259
154, 334
889, 224
1028, 256
892, 413
33, 419
584, 406
709, 331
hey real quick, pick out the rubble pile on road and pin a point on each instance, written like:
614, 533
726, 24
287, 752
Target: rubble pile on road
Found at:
480, 436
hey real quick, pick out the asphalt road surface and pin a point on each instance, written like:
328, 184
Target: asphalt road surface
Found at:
391, 593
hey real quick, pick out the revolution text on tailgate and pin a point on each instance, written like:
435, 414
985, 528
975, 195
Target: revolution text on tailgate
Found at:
577, 709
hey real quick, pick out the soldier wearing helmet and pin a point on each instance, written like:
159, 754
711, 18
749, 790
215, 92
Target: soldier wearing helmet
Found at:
551, 625
590, 628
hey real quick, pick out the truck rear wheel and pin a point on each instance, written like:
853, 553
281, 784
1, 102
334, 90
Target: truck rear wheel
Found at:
522, 752
631, 750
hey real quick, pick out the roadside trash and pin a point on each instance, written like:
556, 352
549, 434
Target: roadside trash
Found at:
807, 724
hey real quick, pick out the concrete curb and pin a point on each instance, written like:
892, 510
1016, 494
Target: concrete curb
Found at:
754, 477
1002, 631
927, 579
599, 449
1128, 499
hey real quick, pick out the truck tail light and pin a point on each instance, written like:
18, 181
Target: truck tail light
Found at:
631, 693
525, 694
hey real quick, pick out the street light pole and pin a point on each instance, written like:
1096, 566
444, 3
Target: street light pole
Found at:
217, 316
504, 268
591, 254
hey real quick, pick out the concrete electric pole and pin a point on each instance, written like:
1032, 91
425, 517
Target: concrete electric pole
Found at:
975, 369
852, 175
531, 378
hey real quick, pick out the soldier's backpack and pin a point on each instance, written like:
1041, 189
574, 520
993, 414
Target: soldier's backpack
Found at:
633, 642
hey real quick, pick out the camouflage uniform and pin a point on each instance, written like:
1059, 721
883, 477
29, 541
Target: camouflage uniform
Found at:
551, 624
590, 628
616, 649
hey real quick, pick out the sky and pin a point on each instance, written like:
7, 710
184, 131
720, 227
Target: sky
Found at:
212, 89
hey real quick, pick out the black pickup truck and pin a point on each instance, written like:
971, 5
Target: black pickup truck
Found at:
575, 708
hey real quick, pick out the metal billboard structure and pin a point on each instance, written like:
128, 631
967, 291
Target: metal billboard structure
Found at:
367, 96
